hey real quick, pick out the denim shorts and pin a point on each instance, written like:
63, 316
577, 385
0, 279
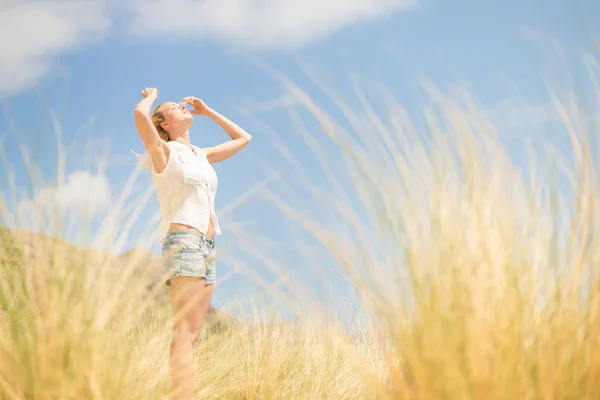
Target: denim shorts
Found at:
189, 253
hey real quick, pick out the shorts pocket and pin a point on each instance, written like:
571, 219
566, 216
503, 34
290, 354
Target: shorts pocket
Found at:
169, 247
192, 262
211, 255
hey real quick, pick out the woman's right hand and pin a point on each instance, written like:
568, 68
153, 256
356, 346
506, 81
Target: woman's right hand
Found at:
150, 92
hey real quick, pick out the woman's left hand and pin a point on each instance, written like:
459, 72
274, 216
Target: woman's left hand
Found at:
200, 108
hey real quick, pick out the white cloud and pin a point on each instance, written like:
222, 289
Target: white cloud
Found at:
257, 23
80, 197
33, 33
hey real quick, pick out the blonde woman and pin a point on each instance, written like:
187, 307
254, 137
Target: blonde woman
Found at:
185, 184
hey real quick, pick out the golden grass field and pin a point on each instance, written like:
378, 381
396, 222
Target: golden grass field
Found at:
480, 280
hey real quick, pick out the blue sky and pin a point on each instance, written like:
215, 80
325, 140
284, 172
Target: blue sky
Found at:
88, 62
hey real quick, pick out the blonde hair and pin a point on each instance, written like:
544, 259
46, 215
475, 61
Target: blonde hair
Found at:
158, 117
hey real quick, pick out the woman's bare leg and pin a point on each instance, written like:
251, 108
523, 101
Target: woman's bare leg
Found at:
190, 300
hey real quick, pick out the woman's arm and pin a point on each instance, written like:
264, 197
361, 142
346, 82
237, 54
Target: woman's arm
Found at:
239, 137
156, 147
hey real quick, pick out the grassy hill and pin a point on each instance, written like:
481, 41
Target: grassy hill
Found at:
81, 324
26, 248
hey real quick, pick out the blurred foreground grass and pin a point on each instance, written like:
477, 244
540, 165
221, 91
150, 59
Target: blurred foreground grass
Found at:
480, 279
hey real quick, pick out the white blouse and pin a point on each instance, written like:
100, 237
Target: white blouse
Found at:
186, 189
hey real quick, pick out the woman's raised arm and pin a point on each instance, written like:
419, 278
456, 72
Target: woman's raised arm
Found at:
156, 147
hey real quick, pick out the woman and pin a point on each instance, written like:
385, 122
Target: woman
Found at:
186, 185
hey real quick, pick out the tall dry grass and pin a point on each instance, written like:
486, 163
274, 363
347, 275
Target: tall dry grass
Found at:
84, 326
478, 277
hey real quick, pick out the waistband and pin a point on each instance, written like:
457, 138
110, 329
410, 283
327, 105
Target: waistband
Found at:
177, 232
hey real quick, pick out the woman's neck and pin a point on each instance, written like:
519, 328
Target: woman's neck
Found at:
183, 138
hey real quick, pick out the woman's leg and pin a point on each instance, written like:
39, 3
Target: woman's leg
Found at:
190, 300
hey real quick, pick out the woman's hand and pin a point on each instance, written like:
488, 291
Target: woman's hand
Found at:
200, 108
150, 92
